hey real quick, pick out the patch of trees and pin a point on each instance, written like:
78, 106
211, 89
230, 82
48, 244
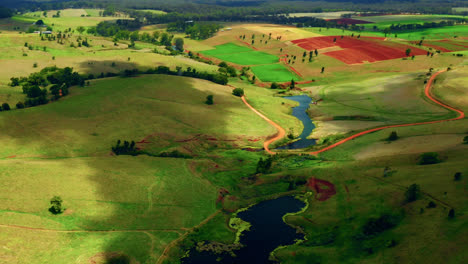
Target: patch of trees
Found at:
412, 193
264, 165
127, 148
190, 72
194, 30
121, 28
34, 86
411, 27
227, 70
429, 158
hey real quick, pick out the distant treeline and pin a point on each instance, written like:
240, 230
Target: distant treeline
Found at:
5, 12
254, 7
411, 27
195, 30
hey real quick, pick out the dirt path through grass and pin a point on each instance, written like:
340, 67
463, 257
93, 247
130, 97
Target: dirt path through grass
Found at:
281, 132
428, 94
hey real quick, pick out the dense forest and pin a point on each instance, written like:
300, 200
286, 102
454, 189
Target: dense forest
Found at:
253, 7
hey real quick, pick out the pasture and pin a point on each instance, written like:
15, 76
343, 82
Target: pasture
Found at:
273, 73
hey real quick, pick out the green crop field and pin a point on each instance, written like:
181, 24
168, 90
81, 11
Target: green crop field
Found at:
273, 73
240, 55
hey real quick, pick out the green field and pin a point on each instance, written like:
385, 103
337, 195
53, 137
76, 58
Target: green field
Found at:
273, 73
240, 55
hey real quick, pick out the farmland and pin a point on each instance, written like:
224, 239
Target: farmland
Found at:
199, 150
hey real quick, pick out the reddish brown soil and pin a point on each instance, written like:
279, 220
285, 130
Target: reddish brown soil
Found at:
358, 50
324, 190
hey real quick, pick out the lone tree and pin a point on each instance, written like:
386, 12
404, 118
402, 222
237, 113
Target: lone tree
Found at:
293, 84
5, 107
323, 69
238, 92
408, 52
393, 136
264, 166
56, 205
209, 100
179, 44
465, 140
451, 214
457, 176
413, 193
274, 85
429, 158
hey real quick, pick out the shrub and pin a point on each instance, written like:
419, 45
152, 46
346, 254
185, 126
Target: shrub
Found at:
457, 176
56, 205
465, 140
122, 259
413, 193
274, 86
451, 213
20, 105
5, 107
393, 136
238, 92
429, 158
209, 100
431, 204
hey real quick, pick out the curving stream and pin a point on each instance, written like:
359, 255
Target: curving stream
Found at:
300, 113
268, 231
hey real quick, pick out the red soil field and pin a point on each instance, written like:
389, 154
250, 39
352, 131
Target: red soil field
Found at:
358, 50
348, 21
323, 189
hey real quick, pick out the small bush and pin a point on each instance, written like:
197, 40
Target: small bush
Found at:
457, 176
56, 205
209, 100
429, 158
431, 204
238, 92
413, 193
20, 105
5, 107
465, 140
274, 86
122, 259
451, 214
393, 136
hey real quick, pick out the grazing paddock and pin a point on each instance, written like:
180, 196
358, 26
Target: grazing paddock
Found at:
447, 45
273, 73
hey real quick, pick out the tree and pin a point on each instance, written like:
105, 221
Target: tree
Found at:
80, 29
179, 43
408, 52
274, 85
56, 205
209, 100
457, 176
451, 214
264, 166
238, 92
323, 69
412, 193
292, 85
5, 106
465, 140
20, 105
429, 158
316, 52
393, 136
431, 204
39, 22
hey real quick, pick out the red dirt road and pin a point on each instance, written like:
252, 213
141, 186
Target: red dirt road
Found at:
281, 132
427, 92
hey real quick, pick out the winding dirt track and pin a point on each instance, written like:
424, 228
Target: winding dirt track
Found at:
281, 133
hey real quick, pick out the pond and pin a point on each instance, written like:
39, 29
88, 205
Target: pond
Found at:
300, 113
267, 232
